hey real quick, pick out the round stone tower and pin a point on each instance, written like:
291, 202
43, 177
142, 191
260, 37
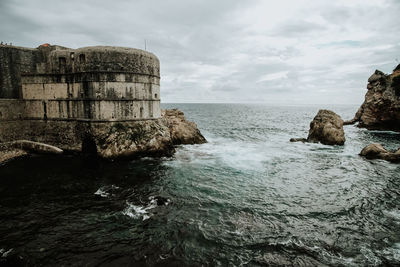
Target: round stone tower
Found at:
97, 83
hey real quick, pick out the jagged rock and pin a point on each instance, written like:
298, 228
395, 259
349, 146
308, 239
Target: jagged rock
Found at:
182, 131
7, 154
326, 128
377, 151
20, 148
148, 137
131, 139
381, 107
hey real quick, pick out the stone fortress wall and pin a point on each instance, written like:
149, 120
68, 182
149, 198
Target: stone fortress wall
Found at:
89, 84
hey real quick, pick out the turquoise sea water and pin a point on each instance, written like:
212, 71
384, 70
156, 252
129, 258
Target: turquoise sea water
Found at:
247, 197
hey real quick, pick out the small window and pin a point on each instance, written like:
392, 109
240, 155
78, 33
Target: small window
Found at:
155, 96
72, 55
62, 60
82, 58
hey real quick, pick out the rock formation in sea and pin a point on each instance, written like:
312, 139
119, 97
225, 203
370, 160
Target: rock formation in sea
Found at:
325, 128
381, 107
377, 151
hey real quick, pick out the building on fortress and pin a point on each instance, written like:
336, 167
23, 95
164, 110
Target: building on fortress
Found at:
99, 83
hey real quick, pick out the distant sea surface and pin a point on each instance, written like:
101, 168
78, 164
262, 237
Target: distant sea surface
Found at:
247, 197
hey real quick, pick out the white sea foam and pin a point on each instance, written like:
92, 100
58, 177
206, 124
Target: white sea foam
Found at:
4, 253
141, 212
137, 212
101, 192
236, 154
104, 191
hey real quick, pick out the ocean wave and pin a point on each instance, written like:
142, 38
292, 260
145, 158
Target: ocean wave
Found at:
142, 212
106, 191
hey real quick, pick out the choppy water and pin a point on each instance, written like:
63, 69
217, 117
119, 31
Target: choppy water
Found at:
248, 197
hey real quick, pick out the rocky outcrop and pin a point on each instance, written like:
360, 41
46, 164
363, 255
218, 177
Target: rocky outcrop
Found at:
155, 137
377, 151
182, 131
325, 128
7, 154
20, 148
148, 137
381, 107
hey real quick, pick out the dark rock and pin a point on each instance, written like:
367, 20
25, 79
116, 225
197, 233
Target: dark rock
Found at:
326, 128
376, 76
298, 140
377, 151
381, 108
161, 201
397, 68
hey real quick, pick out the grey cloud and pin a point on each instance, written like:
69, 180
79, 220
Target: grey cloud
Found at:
298, 28
220, 50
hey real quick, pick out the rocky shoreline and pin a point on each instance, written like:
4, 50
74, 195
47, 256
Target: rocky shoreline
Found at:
380, 111
381, 107
113, 140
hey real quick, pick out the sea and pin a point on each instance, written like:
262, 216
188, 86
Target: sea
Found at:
248, 197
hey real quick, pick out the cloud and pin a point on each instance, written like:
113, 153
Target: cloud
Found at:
304, 51
274, 76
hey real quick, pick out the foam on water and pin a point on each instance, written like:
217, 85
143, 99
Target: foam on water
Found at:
137, 212
142, 212
247, 197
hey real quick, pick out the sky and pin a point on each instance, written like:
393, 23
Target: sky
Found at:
228, 51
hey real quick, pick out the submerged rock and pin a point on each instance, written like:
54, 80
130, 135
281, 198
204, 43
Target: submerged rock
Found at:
326, 128
381, 107
377, 151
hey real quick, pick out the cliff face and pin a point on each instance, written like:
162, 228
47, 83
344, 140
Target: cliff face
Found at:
108, 139
381, 108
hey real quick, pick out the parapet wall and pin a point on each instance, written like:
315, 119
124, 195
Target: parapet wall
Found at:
14, 61
102, 59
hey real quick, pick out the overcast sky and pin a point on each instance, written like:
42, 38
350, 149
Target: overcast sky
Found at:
285, 51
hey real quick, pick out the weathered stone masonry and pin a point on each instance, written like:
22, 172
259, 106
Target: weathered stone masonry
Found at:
92, 83
105, 96
97, 100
